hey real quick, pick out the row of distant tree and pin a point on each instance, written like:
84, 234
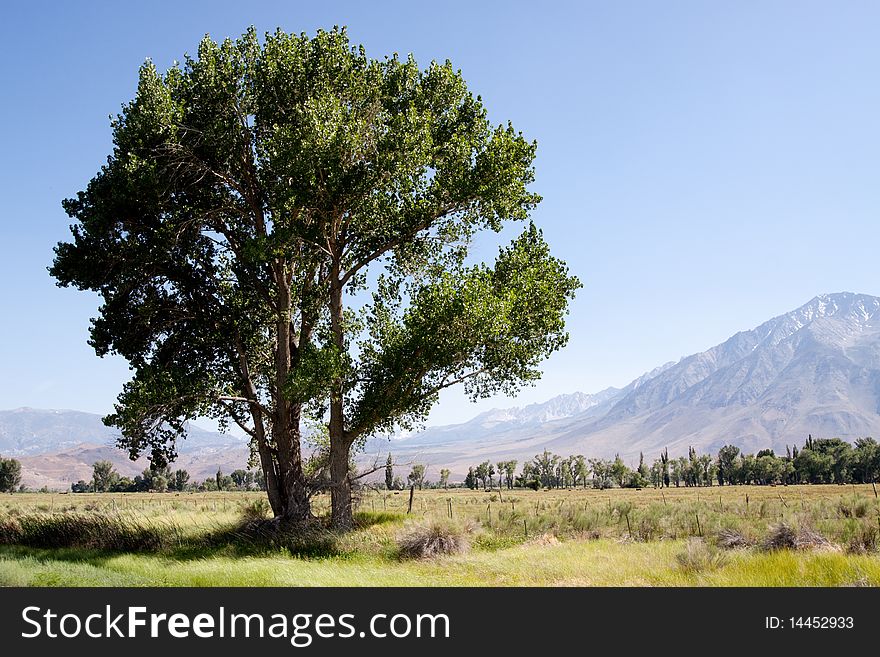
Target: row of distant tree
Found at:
105, 479
819, 461
416, 478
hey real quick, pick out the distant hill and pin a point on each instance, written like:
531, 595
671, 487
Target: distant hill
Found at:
58, 470
58, 447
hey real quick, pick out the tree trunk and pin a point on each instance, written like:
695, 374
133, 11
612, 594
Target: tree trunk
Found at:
270, 472
341, 513
294, 503
293, 499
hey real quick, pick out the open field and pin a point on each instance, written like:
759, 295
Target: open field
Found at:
670, 537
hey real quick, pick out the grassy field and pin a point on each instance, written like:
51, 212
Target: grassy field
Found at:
730, 536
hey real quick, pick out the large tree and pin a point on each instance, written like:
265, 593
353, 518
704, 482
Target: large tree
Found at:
282, 232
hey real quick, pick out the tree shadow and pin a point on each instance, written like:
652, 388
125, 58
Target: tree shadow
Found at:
312, 539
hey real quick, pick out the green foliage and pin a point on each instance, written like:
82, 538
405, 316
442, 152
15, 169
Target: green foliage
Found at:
416, 477
179, 480
389, 473
470, 481
10, 475
252, 192
256, 509
104, 477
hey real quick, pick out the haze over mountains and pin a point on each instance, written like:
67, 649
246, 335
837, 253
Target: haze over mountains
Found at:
813, 370
58, 447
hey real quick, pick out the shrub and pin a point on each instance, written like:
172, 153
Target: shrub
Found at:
648, 528
730, 539
10, 530
808, 539
435, 538
864, 540
698, 556
256, 509
780, 537
785, 537
853, 507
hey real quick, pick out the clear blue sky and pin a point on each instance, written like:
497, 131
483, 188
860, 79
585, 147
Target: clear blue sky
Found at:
705, 165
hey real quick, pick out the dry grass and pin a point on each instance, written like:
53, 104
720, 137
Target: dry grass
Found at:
543, 540
783, 536
732, 539
433, 539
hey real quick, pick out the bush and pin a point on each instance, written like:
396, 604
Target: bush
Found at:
864, 540
808, 539
853, 507
256, 509
730, 539
780, 537
699, 556
785, 537
10, 530
436, 538
648, 528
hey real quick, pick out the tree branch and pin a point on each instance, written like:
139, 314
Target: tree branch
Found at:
397, 241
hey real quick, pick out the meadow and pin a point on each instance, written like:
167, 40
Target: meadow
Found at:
810, 535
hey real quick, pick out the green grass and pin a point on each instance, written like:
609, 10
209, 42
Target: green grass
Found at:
571, 563
524, 538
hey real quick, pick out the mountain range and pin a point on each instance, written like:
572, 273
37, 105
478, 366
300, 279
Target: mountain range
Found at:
58, 447
815, 370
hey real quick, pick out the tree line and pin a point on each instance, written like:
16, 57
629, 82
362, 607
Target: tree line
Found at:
105, 479
818, 461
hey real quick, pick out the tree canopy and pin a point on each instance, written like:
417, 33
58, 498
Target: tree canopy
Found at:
282, 231
10, 475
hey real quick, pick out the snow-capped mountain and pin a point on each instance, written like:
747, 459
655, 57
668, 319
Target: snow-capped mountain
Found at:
557, 408
503, 421
813, 370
